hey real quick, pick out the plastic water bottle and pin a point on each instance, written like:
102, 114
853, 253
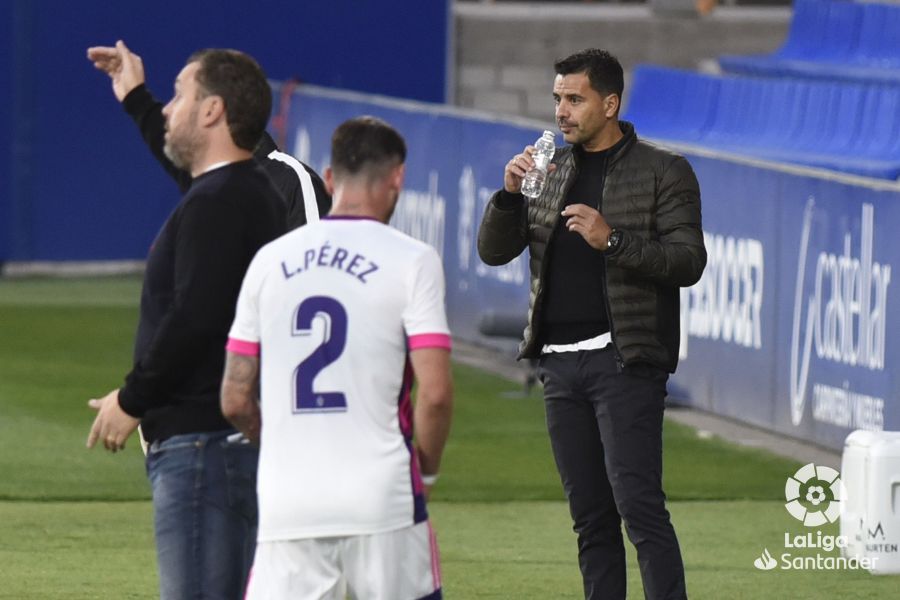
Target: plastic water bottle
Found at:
533, 183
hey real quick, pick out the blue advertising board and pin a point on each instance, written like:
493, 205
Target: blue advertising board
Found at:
789, 327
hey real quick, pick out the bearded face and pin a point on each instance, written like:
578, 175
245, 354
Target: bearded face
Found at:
184, 140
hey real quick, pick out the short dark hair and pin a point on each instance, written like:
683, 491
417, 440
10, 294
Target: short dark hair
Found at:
603, 70
241, 83
365, 145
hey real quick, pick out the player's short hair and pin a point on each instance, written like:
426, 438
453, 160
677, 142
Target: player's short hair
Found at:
241, 83
603, 70
365, 146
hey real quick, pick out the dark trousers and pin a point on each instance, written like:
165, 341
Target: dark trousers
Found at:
606, 433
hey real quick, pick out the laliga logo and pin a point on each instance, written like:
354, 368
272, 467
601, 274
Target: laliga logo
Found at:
846, 313
813, 495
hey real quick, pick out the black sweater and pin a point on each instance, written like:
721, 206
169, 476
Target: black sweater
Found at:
575, 302
194, 273
146, 111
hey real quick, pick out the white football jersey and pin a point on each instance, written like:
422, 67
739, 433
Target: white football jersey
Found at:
333, 310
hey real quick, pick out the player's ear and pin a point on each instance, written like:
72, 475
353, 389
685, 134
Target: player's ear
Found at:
397, 176
328, 176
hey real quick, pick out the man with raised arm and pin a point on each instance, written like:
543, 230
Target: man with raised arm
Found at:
201, 472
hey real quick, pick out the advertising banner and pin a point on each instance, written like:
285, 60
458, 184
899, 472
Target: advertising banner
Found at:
789, 328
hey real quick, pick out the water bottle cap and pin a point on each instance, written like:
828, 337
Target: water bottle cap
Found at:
549, 134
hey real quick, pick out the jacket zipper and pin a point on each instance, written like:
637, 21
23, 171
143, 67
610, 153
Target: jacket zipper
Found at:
620, 364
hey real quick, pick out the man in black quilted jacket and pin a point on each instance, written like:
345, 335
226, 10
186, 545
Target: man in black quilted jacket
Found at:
613, 236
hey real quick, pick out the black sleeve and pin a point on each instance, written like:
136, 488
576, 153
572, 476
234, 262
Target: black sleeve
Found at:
677, 256
323, 198
503, 233
146, 111
286, 178
209, 266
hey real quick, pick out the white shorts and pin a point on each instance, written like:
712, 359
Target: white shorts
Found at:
395, 565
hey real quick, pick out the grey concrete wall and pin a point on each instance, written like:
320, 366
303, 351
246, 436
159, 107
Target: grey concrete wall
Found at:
504, 53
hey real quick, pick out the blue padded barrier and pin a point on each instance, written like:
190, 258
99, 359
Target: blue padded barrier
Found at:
853, 128
832, 40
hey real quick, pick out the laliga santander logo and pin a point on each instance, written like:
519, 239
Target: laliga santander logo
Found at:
813, 495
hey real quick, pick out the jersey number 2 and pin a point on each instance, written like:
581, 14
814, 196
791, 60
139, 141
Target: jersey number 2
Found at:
306, 399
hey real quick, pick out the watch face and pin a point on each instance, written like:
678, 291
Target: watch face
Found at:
614, 238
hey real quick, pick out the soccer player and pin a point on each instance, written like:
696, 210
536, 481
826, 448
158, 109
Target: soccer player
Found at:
333, 322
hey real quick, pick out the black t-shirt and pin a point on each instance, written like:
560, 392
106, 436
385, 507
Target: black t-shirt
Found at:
574, 303
194, 273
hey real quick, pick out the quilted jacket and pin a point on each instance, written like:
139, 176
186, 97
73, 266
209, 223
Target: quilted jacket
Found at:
651, 195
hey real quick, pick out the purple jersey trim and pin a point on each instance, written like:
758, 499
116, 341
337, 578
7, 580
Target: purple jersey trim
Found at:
405, 414
349, 218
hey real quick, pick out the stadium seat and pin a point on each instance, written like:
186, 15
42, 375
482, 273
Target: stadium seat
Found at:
835, 40
669, 101
848, 127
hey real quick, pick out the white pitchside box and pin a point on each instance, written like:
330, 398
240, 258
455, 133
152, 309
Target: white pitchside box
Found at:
870, 498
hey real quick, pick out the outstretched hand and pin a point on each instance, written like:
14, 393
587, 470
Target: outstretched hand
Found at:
125, 68
112, 425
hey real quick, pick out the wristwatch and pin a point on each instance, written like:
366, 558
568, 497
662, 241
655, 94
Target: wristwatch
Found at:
614, 239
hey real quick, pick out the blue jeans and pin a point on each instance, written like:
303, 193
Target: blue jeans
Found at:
204, 504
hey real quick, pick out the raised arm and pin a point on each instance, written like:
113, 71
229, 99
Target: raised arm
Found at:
126, 70
503, 233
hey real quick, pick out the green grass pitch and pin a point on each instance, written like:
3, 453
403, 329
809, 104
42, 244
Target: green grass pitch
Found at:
77, 524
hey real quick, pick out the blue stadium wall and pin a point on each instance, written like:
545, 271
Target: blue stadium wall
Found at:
76, 182
789, 328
